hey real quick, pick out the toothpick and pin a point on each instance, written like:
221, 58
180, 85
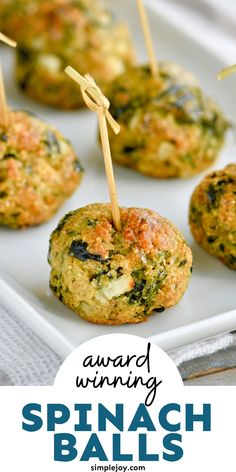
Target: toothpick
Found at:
97, 102
4, 115
5, 39
148, 38
226, 72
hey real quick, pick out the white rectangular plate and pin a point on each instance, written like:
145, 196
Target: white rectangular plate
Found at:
208, 307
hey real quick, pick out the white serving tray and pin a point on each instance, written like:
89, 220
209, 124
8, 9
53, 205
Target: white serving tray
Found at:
209, 306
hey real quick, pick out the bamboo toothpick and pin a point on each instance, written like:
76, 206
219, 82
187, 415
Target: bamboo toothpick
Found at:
226, 72
148, 38
4, 115
97, 102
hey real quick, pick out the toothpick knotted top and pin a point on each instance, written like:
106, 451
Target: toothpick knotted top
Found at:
96, 101
93, 96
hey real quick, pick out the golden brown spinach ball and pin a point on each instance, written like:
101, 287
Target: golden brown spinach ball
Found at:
111, 277
82, 34
168, 127
38, 171
213, 215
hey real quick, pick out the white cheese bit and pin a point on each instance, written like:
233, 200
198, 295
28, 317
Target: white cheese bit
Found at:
64, 147
50, 62
104, 19
121, 47
115, 288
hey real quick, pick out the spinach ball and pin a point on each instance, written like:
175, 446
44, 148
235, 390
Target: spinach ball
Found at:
13, 13
82, 34
39, 170
169, 128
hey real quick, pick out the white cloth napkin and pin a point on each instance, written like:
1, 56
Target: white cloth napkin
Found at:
204, 348
26, 360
